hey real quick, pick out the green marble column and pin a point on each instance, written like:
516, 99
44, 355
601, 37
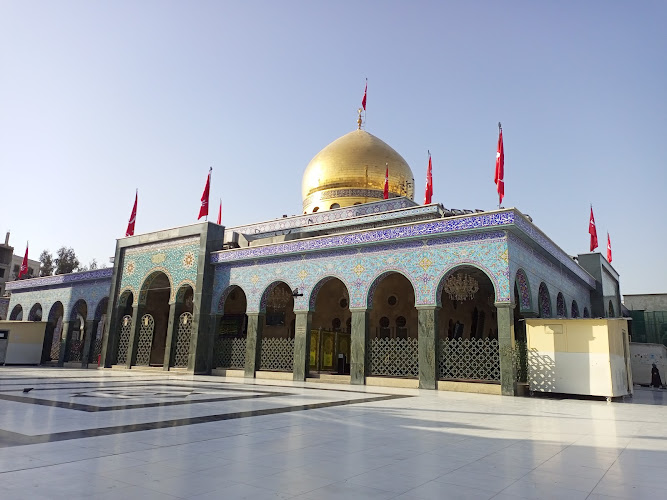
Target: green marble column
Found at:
170, 337
428, 347
64, 342
137, 312
302, 327
89, 333
508, 374
359, 346
253, 347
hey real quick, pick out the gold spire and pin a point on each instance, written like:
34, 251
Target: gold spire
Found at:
359, 119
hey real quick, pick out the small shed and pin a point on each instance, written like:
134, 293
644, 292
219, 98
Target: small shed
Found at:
579, 356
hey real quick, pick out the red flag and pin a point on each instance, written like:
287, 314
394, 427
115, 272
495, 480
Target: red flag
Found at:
203, 210
24, 264
133, 217
593, 232
608, 249
363, 101
428, 195
220, 213
386, 184
500, 167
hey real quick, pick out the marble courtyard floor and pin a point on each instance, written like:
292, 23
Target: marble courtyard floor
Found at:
116, 434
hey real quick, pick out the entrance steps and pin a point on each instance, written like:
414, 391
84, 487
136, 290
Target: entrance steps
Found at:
328, 378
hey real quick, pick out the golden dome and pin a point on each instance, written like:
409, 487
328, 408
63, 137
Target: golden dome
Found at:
351, 170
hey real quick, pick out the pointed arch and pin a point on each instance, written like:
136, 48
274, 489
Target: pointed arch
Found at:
544, 301
17, 313
459, 267
35, 313
376, 281
574, 309
318, 286
525, 296
586, 313
561, 309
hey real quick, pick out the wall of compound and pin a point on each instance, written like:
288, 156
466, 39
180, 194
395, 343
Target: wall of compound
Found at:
175, 258
425, 262
538, 269
92, 292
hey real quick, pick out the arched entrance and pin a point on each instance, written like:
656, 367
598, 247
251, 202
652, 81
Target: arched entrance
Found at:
469, 347
77, 333
574, 310
231, 330
17, 313
183, 327
330, 328
54, 328
35, 313
98, 330
151, 335
394, 344
277, 353
125, 327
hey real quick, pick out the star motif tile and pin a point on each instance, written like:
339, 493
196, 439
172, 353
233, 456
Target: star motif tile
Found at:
425, 263
358, 269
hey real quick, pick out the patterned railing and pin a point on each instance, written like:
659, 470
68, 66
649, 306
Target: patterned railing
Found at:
96, 350
75, 350
183, 340
55, 344
394, 357
229, 351
145, 341
124, 339
277, 354
469, 359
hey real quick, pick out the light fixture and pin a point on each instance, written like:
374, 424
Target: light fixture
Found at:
461, 286
296, 293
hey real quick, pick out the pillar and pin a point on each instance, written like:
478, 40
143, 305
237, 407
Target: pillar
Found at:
428, 347
302, 327
169, 342
110, 343
359, 346
88, 332
64, 342
137, 312
508, 373
253, 347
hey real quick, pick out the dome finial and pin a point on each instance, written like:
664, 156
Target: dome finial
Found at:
359, 121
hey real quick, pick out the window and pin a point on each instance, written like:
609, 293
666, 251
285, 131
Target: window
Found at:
316, 209
343, 303
336, 324
392, 300
334, 205
2, 273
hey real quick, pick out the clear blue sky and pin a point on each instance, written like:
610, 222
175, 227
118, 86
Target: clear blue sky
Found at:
100, 98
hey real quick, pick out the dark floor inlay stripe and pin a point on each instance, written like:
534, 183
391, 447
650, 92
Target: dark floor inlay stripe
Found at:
8, 438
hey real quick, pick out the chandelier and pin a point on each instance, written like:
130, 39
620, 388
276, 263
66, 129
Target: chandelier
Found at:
278, 298
461, 286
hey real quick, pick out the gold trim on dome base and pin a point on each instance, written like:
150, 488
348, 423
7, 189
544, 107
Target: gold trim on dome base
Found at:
351, 170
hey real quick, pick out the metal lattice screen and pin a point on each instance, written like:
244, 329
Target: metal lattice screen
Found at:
55, 342
75, 350
145, 341
96, 350
277, 354
394, 357
230, 352
469, 359
124, 339
183, 340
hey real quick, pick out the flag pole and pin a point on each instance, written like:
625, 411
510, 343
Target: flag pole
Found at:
500, 129
210, 174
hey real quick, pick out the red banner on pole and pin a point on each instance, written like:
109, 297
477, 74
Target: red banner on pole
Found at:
500, 167
203, 209
133, 217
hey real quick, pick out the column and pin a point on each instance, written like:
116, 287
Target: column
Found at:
302, 327
428, 347
169, 343
137, 312
359, 346
508, 374
110, 344
253, 347
64, 342
89, 333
